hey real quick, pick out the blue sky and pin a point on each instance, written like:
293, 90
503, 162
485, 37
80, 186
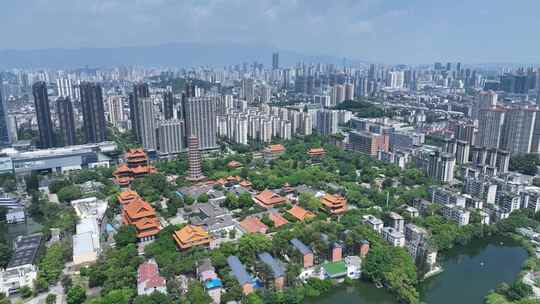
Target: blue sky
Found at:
391, 31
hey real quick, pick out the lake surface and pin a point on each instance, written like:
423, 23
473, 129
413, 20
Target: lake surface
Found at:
469, 273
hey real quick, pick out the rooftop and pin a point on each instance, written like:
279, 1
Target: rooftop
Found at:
277, 269
238, 270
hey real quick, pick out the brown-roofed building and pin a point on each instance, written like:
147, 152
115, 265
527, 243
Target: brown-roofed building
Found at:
233, 164
127, 196
140, 214
273, 151
316, 152
246, 184
269, 199
136, 166
190, 236
136, 158
300, 213
277, 218
252, 224
334, 203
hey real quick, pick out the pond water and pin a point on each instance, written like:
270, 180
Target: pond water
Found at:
469, 273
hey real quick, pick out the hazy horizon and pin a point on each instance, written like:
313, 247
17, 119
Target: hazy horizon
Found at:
412, 32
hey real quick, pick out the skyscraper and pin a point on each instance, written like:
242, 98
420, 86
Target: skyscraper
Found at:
43, 113
171, 134
140, 90
194, 159
147, 124
115, 109
94, 127
275, 61
518, 130
4, 128
64, 111
200, 119
490, 123
168, 105
327, 122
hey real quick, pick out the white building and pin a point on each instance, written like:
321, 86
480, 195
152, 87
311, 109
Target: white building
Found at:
375, 223
393, 236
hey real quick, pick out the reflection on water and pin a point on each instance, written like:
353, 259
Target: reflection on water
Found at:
469, 273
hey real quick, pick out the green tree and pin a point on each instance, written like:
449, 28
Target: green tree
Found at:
50, 299
69, 193
127, 234
252, 298
5, 255
197, 295
25, 292
76, 295
203, 198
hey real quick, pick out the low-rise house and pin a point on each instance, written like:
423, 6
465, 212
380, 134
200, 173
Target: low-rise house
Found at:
393, 236
211, 282
86, 242
149, 280
190, 236
241, 275
333, 270
305, 251
252, 224
354, 266
411, 211
269, 199
300, 213
277, 219
21, 270
375, 223
90, 207
277, 269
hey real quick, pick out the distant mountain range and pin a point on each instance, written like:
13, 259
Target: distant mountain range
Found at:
175, 54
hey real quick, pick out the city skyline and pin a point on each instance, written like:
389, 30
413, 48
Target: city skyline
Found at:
375, 31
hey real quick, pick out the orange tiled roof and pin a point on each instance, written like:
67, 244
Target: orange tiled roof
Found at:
234, 164
136, 152
278, 219
316, 152
121, 169
253, 224
123, 180
268, 199
275, 148
300, 213
190, 236
139, 208
335, 204
246, 184
127, 196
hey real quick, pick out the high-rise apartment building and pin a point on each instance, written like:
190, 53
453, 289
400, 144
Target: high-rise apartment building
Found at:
349, 91
327, 122
140, 91
171, 134
64, 111
43, 113
168, 105
5, 138
115, 110
518, 129
200, 119
147, 123
94, 126
490, 126
275, 61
